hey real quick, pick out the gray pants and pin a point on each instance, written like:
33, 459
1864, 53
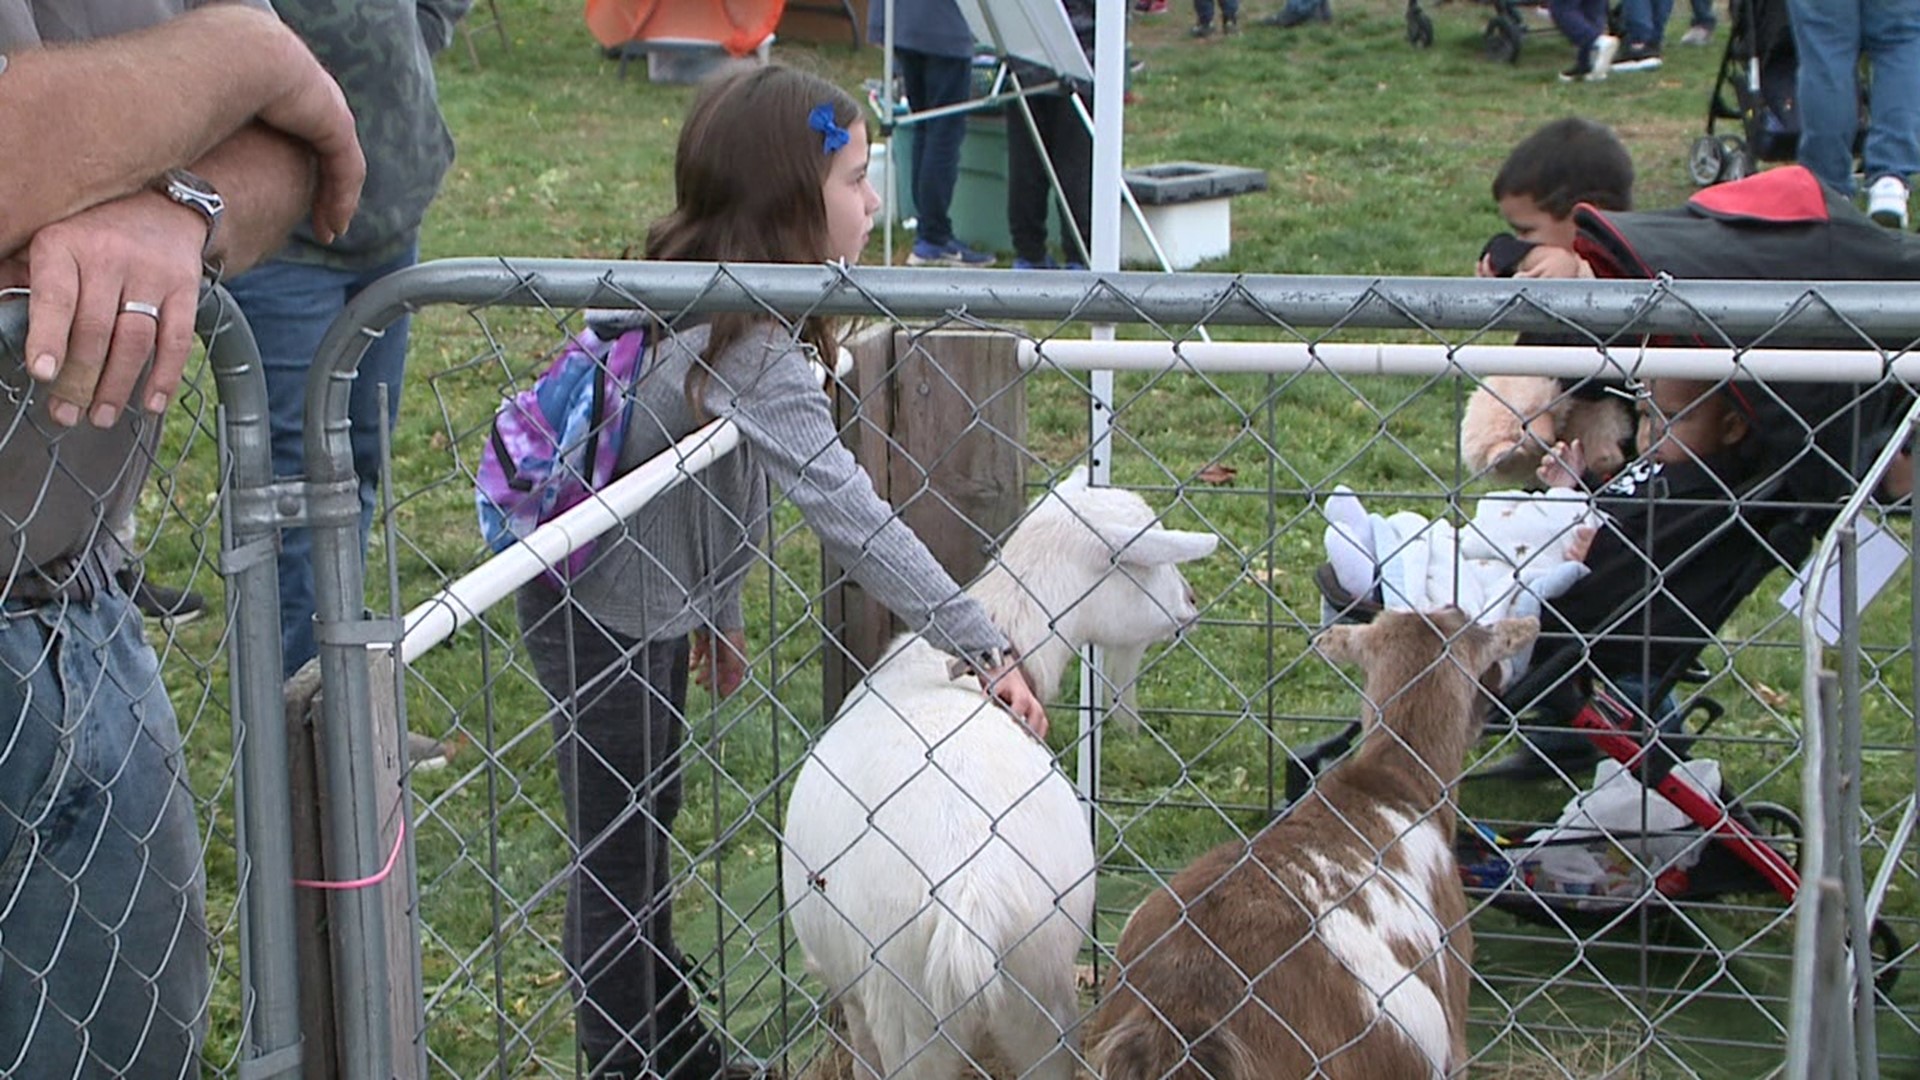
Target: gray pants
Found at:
617, 733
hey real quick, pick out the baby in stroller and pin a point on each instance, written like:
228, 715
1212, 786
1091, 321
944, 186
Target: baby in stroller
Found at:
1665, 515
1703, 532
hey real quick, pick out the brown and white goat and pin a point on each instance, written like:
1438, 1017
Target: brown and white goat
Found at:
1334, 943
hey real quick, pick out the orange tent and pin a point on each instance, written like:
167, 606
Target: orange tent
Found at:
739, 26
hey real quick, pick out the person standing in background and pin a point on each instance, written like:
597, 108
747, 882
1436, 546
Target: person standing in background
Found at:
933, 53
1065, 142
1830, 38
382, 53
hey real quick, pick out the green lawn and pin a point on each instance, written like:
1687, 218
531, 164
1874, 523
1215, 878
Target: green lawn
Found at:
1379, 158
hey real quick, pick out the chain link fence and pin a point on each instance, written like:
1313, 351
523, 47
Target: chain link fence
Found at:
1233, 406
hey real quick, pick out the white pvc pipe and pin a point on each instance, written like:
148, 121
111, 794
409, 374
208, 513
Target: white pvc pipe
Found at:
463, 601
453, 607
1378, 358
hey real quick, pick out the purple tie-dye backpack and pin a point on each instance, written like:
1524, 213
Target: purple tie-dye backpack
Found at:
557, 442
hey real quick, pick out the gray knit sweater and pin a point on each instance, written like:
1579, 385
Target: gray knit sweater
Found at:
678, 564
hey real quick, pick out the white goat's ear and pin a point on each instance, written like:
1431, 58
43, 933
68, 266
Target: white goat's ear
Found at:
1510, 636
1344, 644
1158, 547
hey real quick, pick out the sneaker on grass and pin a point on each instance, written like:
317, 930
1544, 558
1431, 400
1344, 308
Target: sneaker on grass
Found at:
1638, 56
1887, 202
952, 253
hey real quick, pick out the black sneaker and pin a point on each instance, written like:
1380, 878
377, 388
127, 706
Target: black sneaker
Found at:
168, 606
689, 1049
1229, 24
1638, 56
1201, 30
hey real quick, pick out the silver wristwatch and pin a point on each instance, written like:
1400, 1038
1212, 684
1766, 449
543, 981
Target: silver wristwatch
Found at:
193, 192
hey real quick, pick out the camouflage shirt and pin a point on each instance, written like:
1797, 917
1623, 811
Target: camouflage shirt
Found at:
381, 52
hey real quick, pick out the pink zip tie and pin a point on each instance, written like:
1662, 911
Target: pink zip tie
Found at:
365, 882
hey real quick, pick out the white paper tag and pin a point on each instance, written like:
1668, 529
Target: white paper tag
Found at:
1881, 556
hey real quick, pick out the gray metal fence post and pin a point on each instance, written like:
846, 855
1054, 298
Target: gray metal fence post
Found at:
263, 810
354, 845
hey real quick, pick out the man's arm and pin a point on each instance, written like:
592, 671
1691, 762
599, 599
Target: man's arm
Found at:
123, 110
146, 249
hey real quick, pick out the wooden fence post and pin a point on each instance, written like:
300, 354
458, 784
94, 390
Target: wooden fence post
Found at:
320, 1060
939, 421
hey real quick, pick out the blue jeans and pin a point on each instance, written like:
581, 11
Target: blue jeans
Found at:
1645, 21
1703, 14
103, 942
1203, 10
1582, 21
931, 82
289, 306
1830, 37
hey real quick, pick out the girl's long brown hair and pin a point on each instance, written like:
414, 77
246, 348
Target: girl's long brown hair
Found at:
748, 178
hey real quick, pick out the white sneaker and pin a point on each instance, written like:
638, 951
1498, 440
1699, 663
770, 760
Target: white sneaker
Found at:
1605, 48
1697, 35
1887, 202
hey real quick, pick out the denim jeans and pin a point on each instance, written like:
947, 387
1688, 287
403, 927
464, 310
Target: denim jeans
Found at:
1830, 37
103, 942
617, 733
1703, 14
1582, 21
931, 82
289, 305
1203, 10
1645, 21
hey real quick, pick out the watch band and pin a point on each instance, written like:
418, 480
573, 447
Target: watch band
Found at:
192, 191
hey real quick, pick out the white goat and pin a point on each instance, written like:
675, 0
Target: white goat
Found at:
937, 867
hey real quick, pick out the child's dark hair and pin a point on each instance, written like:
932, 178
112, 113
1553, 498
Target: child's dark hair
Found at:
748, 176
1566, 163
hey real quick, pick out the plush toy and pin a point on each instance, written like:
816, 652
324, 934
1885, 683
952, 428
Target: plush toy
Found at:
1511, 421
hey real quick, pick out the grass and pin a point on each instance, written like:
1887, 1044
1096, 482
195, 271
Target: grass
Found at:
1378, 158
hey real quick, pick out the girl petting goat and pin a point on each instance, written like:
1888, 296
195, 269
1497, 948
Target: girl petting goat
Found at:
1335, 944
937, 867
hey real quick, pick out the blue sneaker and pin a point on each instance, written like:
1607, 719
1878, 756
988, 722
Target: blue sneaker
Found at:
952, 253
1029, 264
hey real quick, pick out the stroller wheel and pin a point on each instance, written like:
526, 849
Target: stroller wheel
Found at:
1779, 827
1501, 40
1738, 161
1419, 29
1706, 161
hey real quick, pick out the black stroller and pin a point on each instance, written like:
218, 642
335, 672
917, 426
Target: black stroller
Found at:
1755, 87
1699, 561
1506, 28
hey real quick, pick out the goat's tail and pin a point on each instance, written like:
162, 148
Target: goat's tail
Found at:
963, 957
1144, 1046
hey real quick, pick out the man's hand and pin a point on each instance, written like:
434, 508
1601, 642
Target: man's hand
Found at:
720, 665
1009, 684
84, 272
312, 109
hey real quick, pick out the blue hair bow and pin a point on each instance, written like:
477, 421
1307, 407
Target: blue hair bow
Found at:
833, 136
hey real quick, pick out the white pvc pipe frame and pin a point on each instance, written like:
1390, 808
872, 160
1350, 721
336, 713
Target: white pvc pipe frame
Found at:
439, 617
445, 612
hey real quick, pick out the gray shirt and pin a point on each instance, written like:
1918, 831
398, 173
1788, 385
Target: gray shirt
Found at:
678, 564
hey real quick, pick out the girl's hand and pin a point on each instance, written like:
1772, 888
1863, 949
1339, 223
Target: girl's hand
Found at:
1009, 684
723, 667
